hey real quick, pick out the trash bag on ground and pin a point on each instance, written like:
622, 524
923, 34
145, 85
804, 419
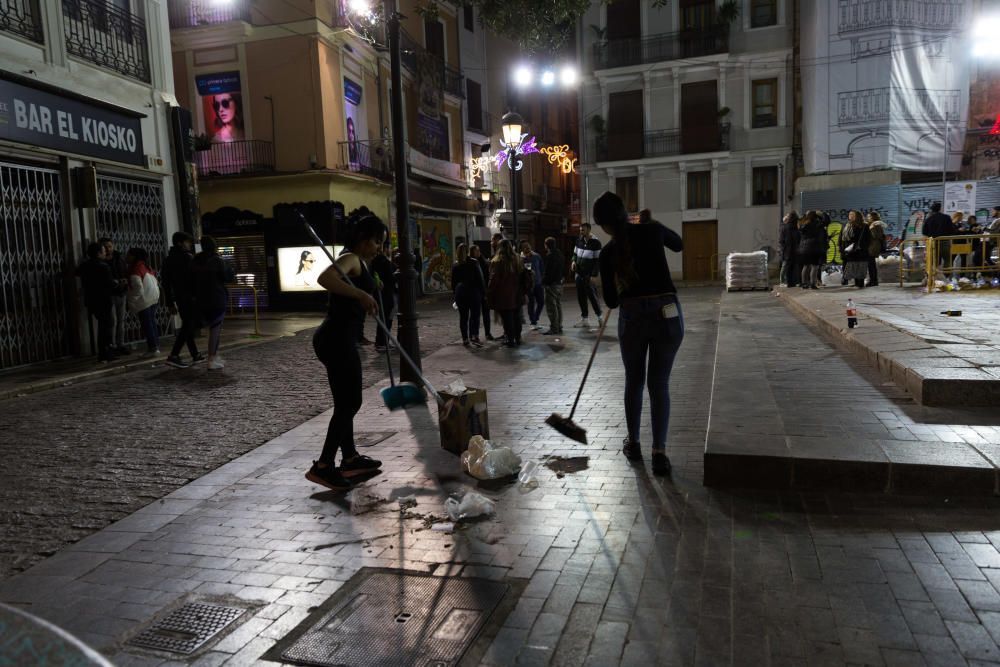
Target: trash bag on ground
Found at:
888, 269
484, 461
832, 279
470, 506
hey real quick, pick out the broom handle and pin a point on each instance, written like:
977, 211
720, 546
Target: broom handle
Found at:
593, 353
399, 348
388, 358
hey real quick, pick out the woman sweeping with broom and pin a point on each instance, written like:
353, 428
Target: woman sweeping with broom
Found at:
635, 278
335, 345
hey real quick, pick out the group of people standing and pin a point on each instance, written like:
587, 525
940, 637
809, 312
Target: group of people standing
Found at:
194, 289
804, 243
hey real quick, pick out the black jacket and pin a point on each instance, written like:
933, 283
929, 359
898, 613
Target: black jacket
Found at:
938, 224
812, 240
856, 237
469, 274
383, 268
211, 274
586, 256
177, 279
788, 240
554, 271
98, 284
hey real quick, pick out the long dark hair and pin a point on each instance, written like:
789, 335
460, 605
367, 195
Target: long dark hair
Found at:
610, 213
506, 259
302, 260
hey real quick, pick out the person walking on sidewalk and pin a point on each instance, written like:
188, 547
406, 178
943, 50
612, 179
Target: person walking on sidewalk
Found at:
143, 297
211, 274
854, 241
385, 273
99, 287
788, 244
468, 286
552, 282
635, 278
585, 267
119, 305
810, 250
507, 290
334, 343
484, 268
938, 224
876, 246
178, 292
536, 293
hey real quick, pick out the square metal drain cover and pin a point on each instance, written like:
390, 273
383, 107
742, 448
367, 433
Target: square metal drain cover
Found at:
187, 628
399, 620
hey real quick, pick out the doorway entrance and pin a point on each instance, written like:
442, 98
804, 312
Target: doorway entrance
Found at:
701, 245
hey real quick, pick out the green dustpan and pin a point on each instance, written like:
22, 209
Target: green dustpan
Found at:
402, 394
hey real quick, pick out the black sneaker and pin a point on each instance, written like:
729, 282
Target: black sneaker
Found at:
329, 477
490, 337
199, 358
661, 464
631, 450
476, 342
358, 465
176, 362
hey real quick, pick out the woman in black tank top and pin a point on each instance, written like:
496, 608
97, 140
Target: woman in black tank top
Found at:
335, 343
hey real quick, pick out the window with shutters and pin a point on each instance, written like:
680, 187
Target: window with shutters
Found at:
468, 19
763, 13
628, 189
699, 189
765, 103
765, 186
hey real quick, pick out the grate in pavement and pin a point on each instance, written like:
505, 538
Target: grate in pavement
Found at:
187, 628
372, 439
392, 619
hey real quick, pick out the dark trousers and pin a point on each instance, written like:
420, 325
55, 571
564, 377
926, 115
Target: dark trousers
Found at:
105, 326
872, 271
536, 303
387, 310
147, 321
335, 346
790, 271
468, 315
185, 335
644, 332
511, 325
486, 317
585, 291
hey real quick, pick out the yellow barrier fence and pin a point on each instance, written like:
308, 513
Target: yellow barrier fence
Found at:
242, 297
974, 252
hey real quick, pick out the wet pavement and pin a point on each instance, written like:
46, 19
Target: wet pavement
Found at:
614, 566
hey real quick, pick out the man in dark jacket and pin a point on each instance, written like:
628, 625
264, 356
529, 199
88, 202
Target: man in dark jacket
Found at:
385, 276
119, 271
178, 291
98, 289
586, 268
788, 242
938, 224
552, 282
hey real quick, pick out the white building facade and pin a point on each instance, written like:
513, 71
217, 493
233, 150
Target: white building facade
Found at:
686, 110
86, 145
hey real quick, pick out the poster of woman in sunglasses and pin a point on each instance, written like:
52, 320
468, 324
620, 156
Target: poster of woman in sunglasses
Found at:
224, 117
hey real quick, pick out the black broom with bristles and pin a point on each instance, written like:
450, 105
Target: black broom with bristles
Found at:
566, 425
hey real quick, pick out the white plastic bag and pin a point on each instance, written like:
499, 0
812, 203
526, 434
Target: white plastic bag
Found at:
472, 505
832, 279
456, 388
484, 461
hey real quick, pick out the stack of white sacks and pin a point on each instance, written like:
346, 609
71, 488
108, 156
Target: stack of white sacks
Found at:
746, 270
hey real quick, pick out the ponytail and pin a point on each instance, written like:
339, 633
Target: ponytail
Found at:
610, 213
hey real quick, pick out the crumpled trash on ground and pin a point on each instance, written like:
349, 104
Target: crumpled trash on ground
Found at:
456, 388
364, 500
407, 502
472, 505
483, 460
832, 279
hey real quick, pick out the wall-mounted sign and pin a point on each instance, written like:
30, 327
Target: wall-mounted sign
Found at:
213, 84
222, 105
41, 118
299, 267
352, 91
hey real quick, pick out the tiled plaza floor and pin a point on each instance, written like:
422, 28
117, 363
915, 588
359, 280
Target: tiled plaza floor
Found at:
618, 567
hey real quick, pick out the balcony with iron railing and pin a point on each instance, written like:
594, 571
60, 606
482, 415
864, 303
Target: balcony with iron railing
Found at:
194, 13
235, 157
862, 15
108, 36
660, 143
660, 48
22, 17
419, 61
371, 158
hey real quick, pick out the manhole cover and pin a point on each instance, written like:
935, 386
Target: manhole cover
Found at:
187, 628
396, 619
371, 439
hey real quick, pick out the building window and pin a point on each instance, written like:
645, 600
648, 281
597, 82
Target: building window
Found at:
474, 105
763, 13
699, 189
628, 189
765, 103
434, 37
765, 186
468, 18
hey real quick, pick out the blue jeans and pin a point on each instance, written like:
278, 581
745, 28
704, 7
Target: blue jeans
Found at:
536, 303
642, 329
147, 321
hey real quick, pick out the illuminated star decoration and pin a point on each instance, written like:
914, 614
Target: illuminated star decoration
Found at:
514, 162
560, 155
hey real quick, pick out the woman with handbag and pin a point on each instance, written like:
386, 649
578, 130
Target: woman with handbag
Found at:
854, 240
143, 296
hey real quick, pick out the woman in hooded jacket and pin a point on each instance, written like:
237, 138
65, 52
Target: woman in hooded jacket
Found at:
811, 248
143, 296
854, 240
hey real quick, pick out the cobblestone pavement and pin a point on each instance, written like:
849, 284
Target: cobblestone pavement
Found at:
618, 567
78, 458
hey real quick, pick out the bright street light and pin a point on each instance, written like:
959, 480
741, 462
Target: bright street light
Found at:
523, 76
984, 34
568, 76
548, 78
359, 7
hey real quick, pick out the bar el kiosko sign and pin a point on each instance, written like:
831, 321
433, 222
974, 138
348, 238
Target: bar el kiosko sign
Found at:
40, 118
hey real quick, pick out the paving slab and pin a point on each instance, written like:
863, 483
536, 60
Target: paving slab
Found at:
940, 360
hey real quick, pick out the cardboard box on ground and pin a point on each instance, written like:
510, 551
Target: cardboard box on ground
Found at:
467, 418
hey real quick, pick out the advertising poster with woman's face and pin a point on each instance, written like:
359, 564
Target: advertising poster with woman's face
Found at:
299, 267
356, 129
222, 106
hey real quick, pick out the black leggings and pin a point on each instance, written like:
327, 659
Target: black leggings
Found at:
338, 352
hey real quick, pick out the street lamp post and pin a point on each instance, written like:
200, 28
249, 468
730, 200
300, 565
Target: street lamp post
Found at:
513, 132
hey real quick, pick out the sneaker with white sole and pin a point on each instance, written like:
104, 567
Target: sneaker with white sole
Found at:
584, 323
216, 365
176, 362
